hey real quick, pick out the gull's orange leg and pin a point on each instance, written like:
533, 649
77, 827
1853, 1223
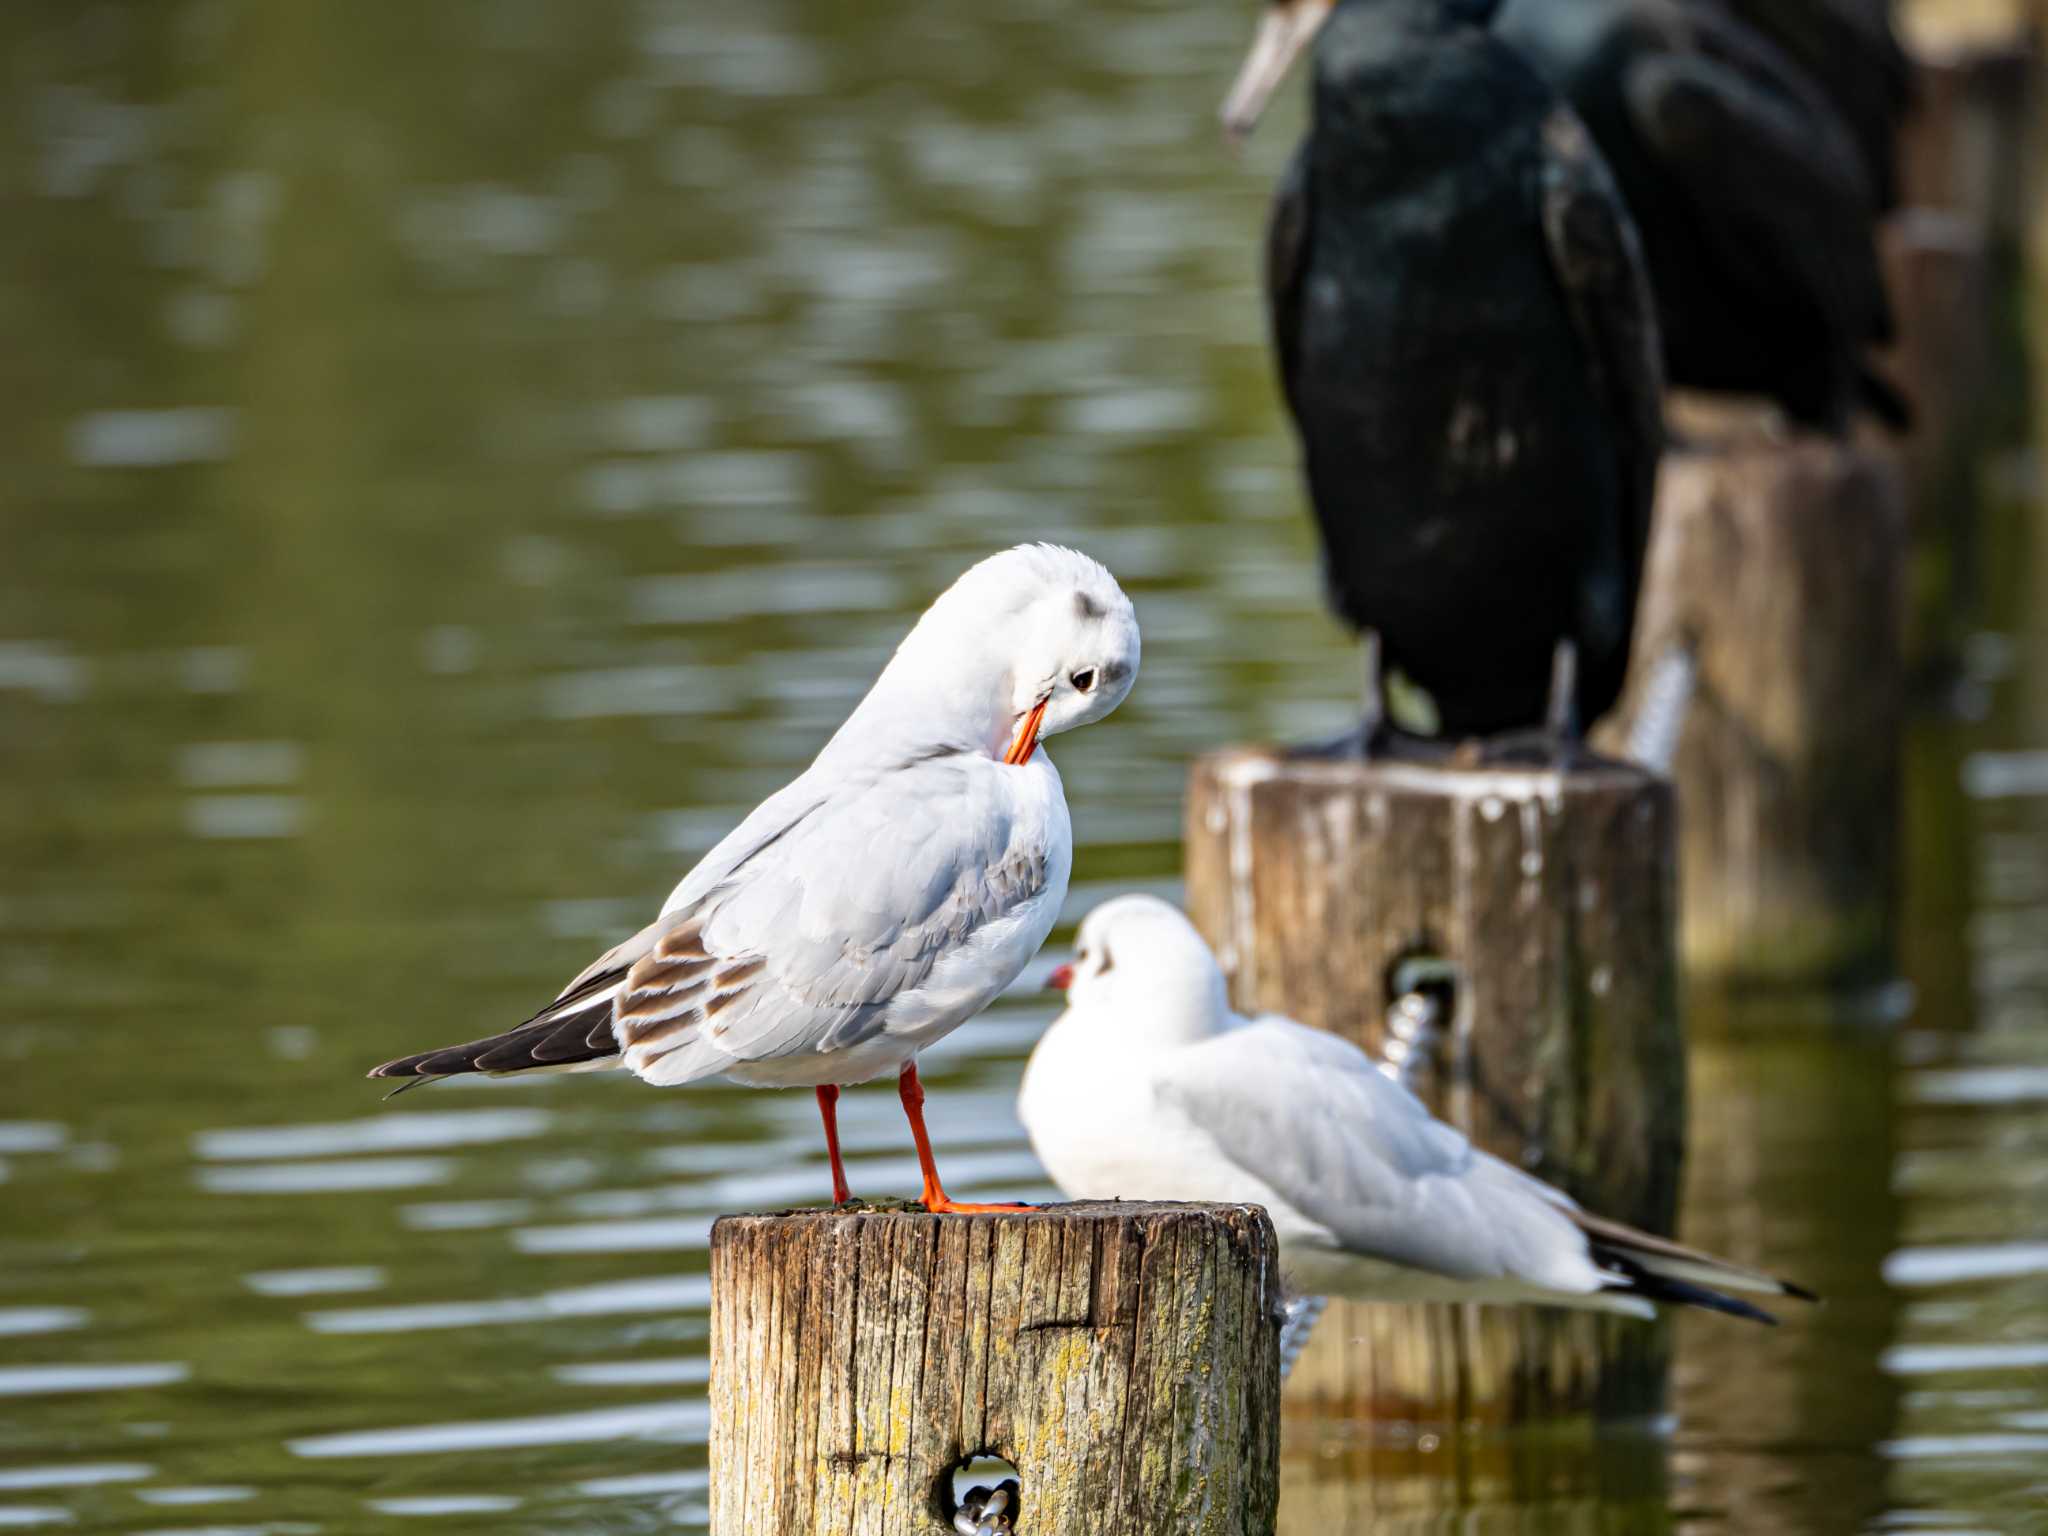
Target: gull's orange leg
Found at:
828, 1111
935, 1198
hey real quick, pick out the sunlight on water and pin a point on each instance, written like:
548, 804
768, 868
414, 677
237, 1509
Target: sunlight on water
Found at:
43, 1380
391, 1132
683, 1420
82, 1475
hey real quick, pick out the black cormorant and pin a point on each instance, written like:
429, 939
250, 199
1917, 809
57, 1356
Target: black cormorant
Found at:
1757, 210
1850, 50
1466, 339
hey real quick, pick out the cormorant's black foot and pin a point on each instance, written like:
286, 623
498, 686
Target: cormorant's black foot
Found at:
1536, 749
1559, 743
1363, 743
1374, 738
1352, 744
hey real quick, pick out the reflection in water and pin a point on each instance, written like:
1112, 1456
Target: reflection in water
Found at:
1566, 1479
459, 457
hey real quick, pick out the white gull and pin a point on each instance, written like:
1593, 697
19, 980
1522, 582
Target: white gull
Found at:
886, 895
1150, 1088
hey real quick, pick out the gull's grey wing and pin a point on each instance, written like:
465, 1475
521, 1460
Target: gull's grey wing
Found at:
1358, 1156
807, 943
1599, 264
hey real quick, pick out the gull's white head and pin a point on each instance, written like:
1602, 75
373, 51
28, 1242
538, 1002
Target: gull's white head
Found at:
1137, 962
1028, 643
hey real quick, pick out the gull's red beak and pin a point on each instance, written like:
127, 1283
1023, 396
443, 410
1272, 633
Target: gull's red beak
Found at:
1061, 979
1027, 736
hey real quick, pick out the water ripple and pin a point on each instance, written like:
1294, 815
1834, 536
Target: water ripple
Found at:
19, 1136
1956, 1263
392, 1132
692, 1233
447, 1504
315, 1282
245, 817
1935, 1359
152, 439
15, 1321
50, 1380
1981, 1085
323, 1178
463, 1215
683, 1371
179, 1498
84, 1474
685, 1420
685, 1293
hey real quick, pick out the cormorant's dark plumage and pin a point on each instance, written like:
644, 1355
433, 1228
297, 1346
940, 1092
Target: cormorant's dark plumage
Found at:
1467, 342
1756, 208
1849, 49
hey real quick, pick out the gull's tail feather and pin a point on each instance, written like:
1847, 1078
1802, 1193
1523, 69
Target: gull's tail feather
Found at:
572, 1034
1660, 1270
581, 1040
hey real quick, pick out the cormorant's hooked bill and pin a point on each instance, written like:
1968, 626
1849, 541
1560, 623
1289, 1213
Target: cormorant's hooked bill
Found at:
1287, 27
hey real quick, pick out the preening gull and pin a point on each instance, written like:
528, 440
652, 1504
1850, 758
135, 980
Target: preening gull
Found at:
887, 894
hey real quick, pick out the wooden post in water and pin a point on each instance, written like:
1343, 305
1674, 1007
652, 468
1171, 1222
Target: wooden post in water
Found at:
1326, 886
1124, 1358
1781, 563
1969, 135
1939, 279
1938, 274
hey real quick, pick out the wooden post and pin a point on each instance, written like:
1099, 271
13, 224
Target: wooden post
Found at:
1967, 140
1939, 276
1550, 898
1123, 1357
1781, 563
1939, 279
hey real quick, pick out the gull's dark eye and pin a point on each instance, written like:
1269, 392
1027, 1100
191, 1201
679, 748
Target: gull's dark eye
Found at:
1084, 680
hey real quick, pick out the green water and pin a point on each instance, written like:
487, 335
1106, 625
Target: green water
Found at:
456, 459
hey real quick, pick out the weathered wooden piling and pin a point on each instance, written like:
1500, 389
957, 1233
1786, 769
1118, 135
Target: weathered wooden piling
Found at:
1939, 275
1969, 137
1546, 900
1780, 563
1939, 278
1122, 1357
